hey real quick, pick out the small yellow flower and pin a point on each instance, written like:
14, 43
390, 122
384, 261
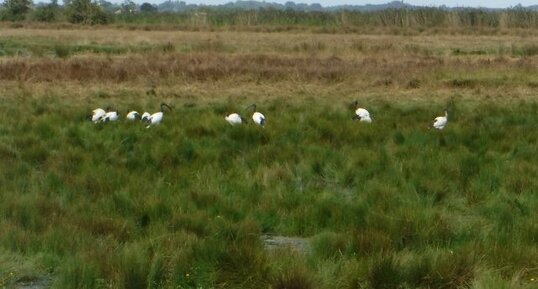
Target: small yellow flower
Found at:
187, 274
532, 279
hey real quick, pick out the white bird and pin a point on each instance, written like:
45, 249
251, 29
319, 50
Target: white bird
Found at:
234, 119
145, 116
98, 113
257, 117
133, 115
360, 113
440, 121
157, 117
110, 116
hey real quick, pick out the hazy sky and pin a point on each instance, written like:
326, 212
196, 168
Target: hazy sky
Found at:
450, 3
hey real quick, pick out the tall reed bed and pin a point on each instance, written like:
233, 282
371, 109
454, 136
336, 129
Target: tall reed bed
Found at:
338, 20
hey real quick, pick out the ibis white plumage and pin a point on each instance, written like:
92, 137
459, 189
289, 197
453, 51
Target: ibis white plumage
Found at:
133, 115
361, 113
111, 116
157, 117
145, 116
235, 119
97, 114
257, 117
440, 121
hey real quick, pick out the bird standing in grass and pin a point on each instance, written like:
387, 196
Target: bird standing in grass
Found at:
234, 119
360, 113
157, 117
133, 115
440, 121
98, 113
110, 115
257, 117
145, 116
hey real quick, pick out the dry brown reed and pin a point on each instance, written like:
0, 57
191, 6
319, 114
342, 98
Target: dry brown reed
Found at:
382, 70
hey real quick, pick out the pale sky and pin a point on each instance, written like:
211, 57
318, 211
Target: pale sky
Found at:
434, 3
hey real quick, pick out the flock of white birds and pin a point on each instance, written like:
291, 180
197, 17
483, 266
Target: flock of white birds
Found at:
361, 114
100, 115
236, 118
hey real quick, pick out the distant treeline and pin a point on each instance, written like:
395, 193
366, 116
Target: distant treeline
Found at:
103, 12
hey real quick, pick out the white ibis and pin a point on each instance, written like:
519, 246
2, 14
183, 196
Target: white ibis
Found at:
98, 113
145, 116
133, 115
440, 121
157, 117
257, 117
360, 113
110, 115
235, 119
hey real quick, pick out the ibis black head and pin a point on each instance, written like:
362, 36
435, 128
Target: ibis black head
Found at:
354, 104
163, 105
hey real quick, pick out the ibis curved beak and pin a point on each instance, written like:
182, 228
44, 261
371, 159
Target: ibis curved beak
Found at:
165, 105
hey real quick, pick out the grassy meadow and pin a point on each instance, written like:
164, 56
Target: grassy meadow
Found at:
187, 204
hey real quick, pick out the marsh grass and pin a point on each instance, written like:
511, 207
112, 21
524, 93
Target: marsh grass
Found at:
356, 189
390, 204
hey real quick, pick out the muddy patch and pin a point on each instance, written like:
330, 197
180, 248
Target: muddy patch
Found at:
34, 283
272, 243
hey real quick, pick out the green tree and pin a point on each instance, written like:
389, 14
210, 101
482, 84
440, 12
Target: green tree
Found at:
147, 8
128, 7
47, 13
86, 12
107, 6
16, 9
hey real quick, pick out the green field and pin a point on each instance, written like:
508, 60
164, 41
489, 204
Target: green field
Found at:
190, 203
